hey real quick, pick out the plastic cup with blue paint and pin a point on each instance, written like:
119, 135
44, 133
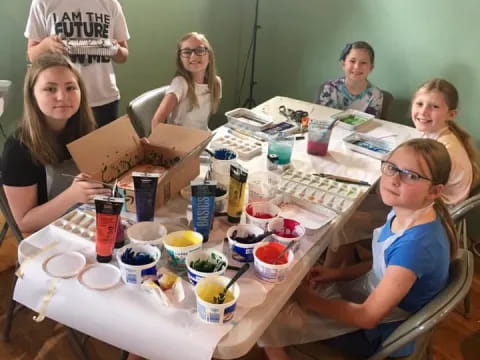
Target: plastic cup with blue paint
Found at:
221, 162
281, 145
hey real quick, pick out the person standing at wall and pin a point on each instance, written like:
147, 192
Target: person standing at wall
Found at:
50, 21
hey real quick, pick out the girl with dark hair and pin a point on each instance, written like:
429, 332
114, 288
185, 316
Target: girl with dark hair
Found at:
353, 90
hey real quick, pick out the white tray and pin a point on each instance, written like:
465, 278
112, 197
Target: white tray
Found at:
248, 119
368, 145
361, 118
82, 223
245, 148
319, 191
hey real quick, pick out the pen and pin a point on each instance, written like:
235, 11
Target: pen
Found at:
343, 179
91, 180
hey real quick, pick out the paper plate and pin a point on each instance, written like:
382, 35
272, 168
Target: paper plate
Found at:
252, 293
64, 264
99, 276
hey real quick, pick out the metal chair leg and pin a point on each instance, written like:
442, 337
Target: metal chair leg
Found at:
466, 306
13, 306
3, 232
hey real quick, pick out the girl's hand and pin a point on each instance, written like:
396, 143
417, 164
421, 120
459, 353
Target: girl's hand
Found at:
321, 274
305, 296
83, 190
53, 44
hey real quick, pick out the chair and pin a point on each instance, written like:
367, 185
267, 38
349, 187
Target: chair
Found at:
422, 322
459, 215
419, 326
143, 107
386, 105
9, 223
77, 340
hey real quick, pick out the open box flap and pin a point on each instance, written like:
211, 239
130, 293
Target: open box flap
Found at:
180, 139
195, 152
109, 151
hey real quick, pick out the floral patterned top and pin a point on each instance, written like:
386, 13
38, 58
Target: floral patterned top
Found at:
335, 94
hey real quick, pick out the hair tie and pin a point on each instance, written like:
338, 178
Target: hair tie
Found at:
346, 49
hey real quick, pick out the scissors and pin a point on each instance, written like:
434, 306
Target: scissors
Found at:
290, 114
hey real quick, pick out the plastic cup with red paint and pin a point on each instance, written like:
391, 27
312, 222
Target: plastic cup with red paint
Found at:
286, 230
261, 213
318, 137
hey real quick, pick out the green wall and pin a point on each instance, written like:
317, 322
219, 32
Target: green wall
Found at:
414, 40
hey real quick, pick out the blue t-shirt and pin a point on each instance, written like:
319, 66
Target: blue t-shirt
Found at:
335, 94
425, 250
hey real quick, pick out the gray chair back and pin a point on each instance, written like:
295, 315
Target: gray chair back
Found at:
386, 105
422, 322
460, 211
143, 107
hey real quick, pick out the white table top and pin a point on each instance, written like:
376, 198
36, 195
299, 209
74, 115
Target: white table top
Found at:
132, 319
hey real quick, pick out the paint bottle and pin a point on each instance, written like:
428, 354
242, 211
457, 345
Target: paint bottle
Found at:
107, 218
203, 206
236, 192
145, 185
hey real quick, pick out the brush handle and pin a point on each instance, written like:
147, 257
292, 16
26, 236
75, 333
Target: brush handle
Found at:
239, 273
290, 244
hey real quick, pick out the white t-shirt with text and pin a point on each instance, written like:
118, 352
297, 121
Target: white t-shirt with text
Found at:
83, 19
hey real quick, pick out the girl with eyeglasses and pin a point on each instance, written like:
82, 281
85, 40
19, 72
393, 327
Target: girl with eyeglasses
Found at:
195, 91
359, 306
433, 111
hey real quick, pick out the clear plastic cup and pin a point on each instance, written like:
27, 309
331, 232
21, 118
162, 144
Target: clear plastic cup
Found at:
281, 145
318, 137
263, 186
221, 166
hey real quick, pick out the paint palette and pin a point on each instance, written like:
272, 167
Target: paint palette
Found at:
245, 148
329, 193
368, 145
82, 223
351, 119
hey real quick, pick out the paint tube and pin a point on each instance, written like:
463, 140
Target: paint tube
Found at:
203, 206
107, 217
236, 192
145, 185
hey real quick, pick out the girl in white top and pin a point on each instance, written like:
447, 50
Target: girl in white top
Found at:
195, 91
434, 108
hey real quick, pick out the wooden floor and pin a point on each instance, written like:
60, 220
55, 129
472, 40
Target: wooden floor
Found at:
455, 338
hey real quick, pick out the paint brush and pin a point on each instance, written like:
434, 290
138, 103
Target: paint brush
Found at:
343, 179
110, 186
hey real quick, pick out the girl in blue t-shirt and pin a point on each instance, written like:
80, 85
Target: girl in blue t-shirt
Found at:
353, 90
365, 302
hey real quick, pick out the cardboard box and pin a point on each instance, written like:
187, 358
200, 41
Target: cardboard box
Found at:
113, 149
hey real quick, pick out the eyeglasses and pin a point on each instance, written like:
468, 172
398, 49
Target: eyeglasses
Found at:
406, 176
199, 51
